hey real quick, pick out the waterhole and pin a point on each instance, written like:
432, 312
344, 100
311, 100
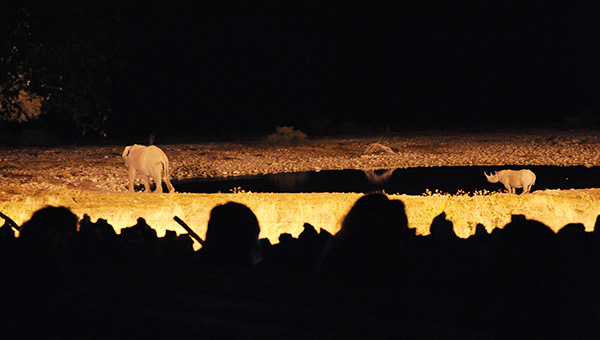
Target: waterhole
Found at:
413, 181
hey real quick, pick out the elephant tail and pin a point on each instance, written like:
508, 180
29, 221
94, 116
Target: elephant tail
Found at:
165, 164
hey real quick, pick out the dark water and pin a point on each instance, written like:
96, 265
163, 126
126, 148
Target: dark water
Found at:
414, 181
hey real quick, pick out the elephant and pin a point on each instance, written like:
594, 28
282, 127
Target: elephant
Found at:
148, 161
513, 179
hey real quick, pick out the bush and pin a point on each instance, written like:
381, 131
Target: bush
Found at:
286, 135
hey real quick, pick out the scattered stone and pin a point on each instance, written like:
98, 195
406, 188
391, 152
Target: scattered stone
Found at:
379, 148
102, 167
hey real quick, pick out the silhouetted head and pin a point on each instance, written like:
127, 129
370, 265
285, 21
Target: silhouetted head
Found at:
573, 238
480, 230
527, 231
232, 235
373, 234
526, 241
572, 230
442, 229
98, 231
52, 227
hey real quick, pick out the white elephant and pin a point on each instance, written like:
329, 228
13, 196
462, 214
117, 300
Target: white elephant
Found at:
148, 161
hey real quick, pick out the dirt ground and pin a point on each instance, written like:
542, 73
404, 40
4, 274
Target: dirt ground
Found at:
33, 171
189, 303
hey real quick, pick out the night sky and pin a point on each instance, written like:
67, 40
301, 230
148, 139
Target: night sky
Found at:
245, 67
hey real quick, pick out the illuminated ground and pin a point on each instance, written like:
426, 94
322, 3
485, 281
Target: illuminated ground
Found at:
100, 168
92, 179
429, 298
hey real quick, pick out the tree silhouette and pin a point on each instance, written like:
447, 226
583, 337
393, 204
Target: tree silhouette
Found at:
56, 62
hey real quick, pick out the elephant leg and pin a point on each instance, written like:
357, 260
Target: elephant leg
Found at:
146, 183
156, 175
131, 179
158, 181
168, 183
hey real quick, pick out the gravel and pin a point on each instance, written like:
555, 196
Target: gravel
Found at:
30, 170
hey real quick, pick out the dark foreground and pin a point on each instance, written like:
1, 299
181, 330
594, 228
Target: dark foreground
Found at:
523, 281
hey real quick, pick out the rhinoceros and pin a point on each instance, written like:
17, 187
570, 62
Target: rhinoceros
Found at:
513, 179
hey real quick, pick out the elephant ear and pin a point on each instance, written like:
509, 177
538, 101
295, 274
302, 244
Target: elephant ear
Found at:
126, 151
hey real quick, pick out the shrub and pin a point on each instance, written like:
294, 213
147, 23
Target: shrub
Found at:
286, 135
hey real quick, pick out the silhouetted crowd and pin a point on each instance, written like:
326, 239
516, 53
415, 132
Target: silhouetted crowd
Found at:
69, 278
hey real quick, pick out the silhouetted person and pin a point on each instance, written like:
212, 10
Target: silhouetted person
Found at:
440, 241
310, 244
293, 254
50, 228
174, 250
97, 241
45, 244
525, 242
372, 238
231, 237
525, 264
442, 230
442, 256
574, 242
140, 232
477, 248
98, 232
480, 231
137, 243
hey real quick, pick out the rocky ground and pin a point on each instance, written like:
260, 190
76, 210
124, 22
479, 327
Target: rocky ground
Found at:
436, 294
33, 170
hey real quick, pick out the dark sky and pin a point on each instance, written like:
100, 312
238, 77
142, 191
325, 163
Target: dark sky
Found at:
249, 66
